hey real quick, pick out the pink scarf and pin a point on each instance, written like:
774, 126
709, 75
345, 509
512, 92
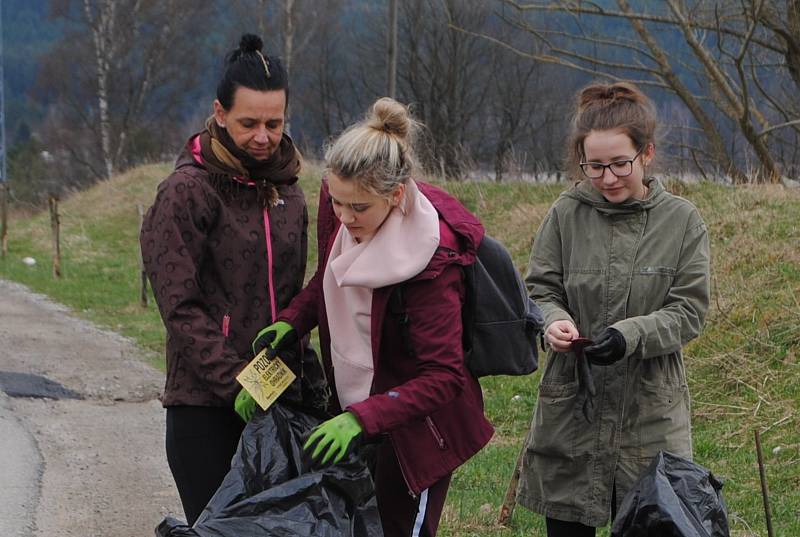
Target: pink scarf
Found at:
401, 249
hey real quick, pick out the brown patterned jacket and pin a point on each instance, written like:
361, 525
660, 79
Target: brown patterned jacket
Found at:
205, 252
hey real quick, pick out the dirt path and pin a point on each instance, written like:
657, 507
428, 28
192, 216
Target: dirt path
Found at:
95, 466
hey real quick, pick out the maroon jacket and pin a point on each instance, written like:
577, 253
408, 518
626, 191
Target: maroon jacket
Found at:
429, 405
206, 254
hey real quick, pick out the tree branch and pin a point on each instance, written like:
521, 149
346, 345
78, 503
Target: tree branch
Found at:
576, 7
545, 58
779, 126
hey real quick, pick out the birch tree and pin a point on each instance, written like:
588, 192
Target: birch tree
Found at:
101, 21
142, 64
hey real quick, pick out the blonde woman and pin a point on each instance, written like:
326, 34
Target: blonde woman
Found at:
380, 230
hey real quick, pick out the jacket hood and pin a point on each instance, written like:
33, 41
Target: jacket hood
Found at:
584, 192
186, 157
467, 230
190, 157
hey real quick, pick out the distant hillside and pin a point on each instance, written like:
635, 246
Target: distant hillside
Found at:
743, 370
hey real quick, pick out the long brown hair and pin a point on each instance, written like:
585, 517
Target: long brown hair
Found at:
618, 106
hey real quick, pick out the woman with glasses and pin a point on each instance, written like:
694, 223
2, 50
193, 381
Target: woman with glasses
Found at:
620, 268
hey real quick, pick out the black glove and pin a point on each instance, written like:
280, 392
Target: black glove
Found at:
586, 390
608, 348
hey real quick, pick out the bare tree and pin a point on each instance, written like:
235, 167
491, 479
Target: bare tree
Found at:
333, 70
782, 18
288, 43
525, 114
101, 20
143, 59
444, 74
672, 79
716, 69
391, 50
737, 102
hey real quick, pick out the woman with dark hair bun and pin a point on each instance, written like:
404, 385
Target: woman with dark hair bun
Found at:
624, 263
224, 246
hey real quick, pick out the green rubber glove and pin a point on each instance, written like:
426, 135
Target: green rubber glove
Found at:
276, 336
334, 436
245, 405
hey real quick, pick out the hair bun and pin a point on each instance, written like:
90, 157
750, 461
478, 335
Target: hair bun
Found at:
391, 117
606, 93
251, 43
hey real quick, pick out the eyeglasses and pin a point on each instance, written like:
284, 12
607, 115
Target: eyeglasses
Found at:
620, 168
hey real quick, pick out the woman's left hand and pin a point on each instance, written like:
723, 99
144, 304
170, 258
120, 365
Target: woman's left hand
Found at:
334, 436
607, 349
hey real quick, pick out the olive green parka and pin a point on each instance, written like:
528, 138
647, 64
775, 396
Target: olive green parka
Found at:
641, 267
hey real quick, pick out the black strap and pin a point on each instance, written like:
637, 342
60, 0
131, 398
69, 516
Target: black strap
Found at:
398, 307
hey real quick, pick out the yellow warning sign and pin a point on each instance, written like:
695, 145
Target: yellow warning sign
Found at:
265, 378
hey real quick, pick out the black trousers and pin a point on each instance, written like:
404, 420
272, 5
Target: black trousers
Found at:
560, 528
200, 444
402, 515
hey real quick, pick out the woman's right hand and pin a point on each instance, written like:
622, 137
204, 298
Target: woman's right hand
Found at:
276, 336
560, 335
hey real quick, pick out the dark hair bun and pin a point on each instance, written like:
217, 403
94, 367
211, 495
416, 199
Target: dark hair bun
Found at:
604, 94
250, 43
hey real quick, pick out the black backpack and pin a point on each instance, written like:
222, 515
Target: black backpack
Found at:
501, 323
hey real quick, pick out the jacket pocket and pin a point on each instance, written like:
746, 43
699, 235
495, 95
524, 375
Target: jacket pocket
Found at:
437, 436
663, 419
554, 426
650, 286
226, 324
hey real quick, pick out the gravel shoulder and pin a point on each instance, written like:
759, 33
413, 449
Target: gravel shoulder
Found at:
93, 466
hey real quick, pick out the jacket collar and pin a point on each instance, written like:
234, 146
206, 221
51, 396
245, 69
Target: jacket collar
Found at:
586, 193
460, 232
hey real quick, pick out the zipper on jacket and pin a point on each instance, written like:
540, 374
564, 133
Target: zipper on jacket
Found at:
400, 465
435, 432
270, 281
226, 324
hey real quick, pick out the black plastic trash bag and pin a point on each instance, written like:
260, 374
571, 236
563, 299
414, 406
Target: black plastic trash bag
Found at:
675, 497
272, 489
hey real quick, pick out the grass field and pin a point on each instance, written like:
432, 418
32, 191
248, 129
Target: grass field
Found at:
743, 370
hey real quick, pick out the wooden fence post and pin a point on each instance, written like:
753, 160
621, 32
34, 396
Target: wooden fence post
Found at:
764, 488
143, 272
55, 226
510, 501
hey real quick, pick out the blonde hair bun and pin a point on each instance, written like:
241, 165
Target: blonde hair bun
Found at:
377, 152
391, 117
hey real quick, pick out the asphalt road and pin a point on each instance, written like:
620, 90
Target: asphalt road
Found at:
20, 473
88, 459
